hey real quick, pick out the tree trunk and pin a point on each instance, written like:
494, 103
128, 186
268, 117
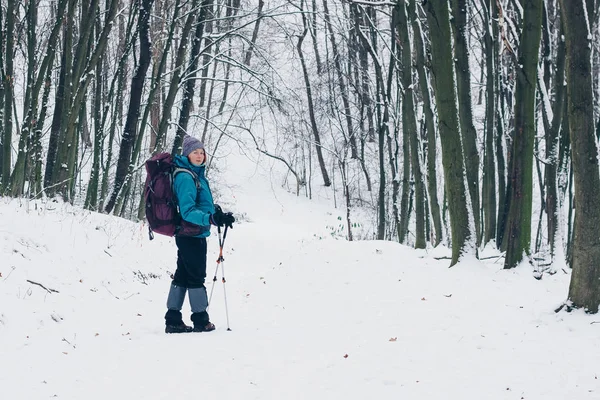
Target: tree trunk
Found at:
91, 200
313, 34
311, 111
501, 160
65, 168
37, 189
467, 129
248, 57
431, 147
133, 114
8, 83
61, 101
190, 84
405, 196
584, 290
152, 108
488, 200
361, 91
409, 123
383, 97
552, 147
230, 15
348, 203
208, 42
17, 180
438, 16
366, 103
341, 82
406, 143
2, 94
500, 127
176, 78
520, 183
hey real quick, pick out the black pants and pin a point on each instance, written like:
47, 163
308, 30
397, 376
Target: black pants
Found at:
191, 262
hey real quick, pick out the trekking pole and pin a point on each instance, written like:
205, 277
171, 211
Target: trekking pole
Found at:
220, 260
223, 278
217, 268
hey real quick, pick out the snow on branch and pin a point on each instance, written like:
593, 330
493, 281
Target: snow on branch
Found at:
372, 3
547, 108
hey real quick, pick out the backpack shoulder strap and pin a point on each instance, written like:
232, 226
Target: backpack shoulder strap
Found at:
177, 170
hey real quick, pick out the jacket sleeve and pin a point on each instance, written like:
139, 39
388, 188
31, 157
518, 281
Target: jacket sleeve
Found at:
186, 192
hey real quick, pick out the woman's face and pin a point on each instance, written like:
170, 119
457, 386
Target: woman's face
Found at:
197, 157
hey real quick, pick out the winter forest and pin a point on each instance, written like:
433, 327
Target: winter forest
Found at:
467, 122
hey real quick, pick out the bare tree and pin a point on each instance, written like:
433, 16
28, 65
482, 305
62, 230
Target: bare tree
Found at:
190, 79
176, 77
26, 158
429, 122
133, 114
341, 82
383, 96
552, 144
463, 240
8, 91
79, 68
261, 4
409, 123
520, 183
460, 10
488, 197
584, 290
309, 98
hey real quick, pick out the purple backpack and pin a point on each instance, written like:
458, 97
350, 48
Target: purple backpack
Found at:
162, 211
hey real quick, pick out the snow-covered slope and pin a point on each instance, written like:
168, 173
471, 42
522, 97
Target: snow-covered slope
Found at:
311, 316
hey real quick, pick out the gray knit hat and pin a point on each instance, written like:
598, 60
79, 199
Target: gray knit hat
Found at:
190, 144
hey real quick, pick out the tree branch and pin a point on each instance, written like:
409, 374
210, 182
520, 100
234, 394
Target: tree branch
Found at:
43, 287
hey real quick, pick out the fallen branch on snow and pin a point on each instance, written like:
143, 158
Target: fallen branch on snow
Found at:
43, 287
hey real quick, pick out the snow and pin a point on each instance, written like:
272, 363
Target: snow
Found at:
311, 315
543, 91
586, 18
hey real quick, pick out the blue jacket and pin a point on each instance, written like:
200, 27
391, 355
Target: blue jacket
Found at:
195, 206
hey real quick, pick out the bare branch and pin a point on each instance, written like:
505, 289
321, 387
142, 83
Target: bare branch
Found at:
372, 3
43, 287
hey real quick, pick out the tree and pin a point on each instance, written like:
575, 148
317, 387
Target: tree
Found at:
584, 290
383, 100
78, 74
190, 83
488, 197
309, 98
552, 145
520, 182
429, 122
351, 134
8, 89
438, 17
29, 155
409, 123
176, 78
133, 114
460, 9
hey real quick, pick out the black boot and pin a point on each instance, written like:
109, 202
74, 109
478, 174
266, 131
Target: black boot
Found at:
174, 323
202, 323
179, 328
204, 328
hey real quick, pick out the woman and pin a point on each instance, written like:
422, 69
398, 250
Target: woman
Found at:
196, 206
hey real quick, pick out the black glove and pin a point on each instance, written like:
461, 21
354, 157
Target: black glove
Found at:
219, 218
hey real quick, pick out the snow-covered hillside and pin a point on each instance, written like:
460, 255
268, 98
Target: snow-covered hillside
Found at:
82, 300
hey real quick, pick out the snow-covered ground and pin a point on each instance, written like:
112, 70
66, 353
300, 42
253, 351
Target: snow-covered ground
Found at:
311, 316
